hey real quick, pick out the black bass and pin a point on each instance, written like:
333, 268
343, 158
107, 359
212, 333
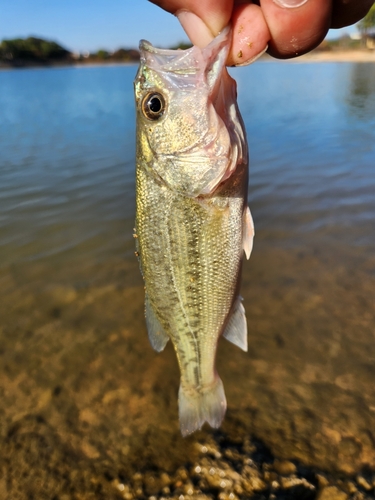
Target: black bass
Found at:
192, 221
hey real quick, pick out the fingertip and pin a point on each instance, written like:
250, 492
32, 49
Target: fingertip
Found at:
202, 20
295, 31
250, 35
195, 28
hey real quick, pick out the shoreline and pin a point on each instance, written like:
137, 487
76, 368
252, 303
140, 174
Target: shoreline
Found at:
79, 64
329, 56
360, 56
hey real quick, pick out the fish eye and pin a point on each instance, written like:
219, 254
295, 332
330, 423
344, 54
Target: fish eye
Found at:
153, 105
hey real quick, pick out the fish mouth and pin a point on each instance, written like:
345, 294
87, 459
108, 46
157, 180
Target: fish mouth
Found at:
180, 54
192, 63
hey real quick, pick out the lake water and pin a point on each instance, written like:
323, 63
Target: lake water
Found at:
67, 157
73, 345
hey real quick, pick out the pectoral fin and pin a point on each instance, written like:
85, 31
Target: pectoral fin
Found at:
236, 329
156, 334
248, 232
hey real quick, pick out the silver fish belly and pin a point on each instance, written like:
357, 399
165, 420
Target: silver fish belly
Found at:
192, 219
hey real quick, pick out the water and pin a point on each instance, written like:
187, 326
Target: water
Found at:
67, 161
67, 141
73, 343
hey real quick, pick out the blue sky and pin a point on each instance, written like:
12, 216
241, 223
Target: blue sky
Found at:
80, 25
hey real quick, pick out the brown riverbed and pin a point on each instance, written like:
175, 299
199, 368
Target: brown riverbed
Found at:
86, 405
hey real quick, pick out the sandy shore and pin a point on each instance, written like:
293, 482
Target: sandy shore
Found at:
333, 56
314, 56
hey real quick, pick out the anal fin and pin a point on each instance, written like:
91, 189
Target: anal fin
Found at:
236, 328
156, 333
248, 232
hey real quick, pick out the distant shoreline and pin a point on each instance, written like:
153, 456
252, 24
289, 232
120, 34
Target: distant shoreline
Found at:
359, 56
79, 64
330, 56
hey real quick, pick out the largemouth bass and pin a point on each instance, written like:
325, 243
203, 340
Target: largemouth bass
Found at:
192, 220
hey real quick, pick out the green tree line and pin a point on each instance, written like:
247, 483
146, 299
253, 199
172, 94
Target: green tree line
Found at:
33, 50
367, 25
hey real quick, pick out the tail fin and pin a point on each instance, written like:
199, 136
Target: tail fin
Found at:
196, 407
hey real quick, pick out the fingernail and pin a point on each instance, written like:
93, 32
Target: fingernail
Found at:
195, 28
253, 59
290, 4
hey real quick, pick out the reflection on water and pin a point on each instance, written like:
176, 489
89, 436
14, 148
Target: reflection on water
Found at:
67, 163
83, 396
361, 92
67, 142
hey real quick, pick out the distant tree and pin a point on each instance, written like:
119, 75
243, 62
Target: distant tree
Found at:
367, 25
133, 54
182, 46
31, 49
125, 55
8, 50
102, 54
120, 55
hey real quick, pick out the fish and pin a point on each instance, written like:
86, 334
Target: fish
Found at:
192, 223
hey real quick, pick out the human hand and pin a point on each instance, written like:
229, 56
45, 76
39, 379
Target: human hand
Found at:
289, 27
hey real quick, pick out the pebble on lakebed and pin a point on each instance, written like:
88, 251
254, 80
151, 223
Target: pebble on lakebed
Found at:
227, 472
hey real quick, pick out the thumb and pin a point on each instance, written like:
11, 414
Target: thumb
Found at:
199, 33
203, 20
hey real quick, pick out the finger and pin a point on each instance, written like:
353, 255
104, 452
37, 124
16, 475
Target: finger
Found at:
202, 20
250, 34
347, 12
295, 31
